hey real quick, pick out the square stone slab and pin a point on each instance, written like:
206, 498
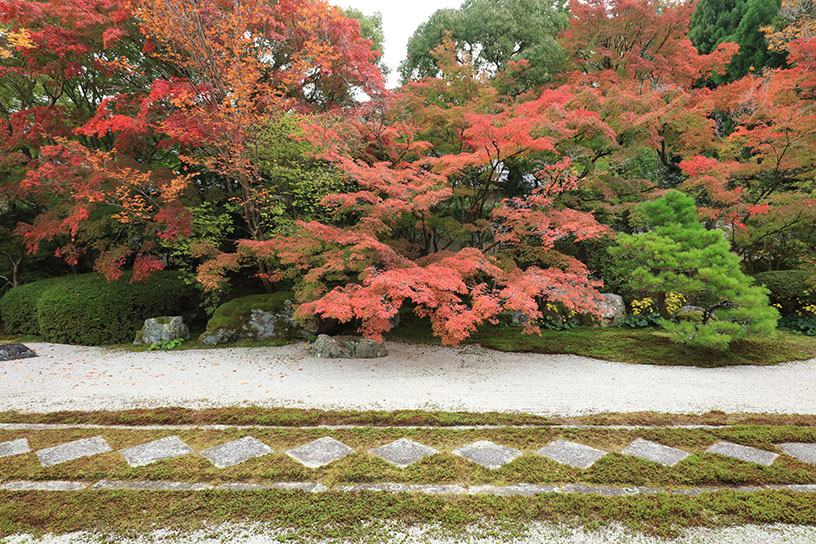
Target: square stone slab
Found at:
571, 453
237, 451
652, 451
744, 453
84, 447
320, 452
487, 454
164, 448
403, 452
803, 452
14, 447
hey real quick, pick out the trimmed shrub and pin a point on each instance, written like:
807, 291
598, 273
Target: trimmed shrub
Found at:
790, 289
236, 313
18, 307
89, 310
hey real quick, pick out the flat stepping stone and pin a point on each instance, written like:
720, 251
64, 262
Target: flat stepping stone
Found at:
652, 451
571, 453
487, 454
803, 452
84, 447
14, 447
403, 452
319, 452
164, 448
744, 453
235, 452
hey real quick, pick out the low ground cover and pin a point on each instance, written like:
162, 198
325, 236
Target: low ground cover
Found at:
369, 516
301, 417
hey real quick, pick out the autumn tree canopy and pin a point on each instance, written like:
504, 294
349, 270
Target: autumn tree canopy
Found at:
252, 143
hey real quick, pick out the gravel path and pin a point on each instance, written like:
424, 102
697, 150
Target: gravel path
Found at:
411, 377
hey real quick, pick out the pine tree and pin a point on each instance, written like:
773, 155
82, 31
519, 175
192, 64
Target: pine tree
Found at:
678, 254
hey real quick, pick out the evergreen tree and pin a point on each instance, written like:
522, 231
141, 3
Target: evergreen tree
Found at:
678, 254
737, 21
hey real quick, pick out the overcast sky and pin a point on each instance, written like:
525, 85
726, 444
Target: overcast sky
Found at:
400, 19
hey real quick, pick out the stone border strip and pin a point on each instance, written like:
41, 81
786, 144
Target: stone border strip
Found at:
219, 427
522, 489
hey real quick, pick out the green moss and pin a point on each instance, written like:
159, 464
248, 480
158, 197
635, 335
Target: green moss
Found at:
298, 417
235, 314
641, 346
370, 517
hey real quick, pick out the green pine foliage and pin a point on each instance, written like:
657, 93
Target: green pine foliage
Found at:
678, 254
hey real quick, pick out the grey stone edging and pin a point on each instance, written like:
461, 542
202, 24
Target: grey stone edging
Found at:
521, 489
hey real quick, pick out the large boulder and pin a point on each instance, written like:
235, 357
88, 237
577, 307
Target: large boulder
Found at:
11, 352
162, 329
261, 317
613, 310
347, 347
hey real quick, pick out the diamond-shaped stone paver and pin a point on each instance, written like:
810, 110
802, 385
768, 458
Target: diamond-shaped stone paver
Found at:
403, 452
803, 452
14, 447
319, 452
84, 447
652, 451
235, 452
571, 453
743, 453
164, 448
487, 454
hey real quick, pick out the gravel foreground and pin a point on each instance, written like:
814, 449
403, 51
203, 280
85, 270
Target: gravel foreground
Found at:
537, 534
470, 378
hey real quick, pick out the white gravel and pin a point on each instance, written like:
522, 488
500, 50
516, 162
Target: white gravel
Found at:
411, 377
537, 534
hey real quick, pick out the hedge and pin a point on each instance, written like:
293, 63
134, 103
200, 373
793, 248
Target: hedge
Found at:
18, 307
88, 310
789, 288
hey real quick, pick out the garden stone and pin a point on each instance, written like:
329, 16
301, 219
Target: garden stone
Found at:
235, 452
487, 454
613, 310
276, 324
403, 452
260, 317
63, 453
347, 347
14, 447
319, 452
652, 451
12, 352
164, 448
218, 336
803, 452
571, 453
162, 329
743, 453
